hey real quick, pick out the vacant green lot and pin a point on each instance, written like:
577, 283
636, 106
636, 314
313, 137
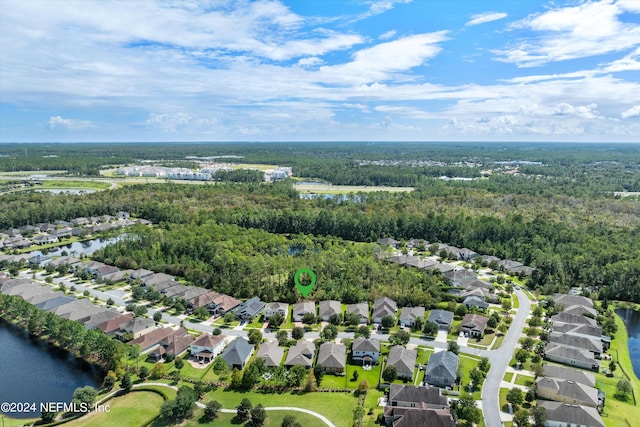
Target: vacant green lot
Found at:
274, 419
135, 409
337, 407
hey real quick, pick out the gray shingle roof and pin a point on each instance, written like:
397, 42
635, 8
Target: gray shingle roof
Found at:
237, 352
271, 353
582, 377
442, 368
441, 317
301, 354
417, 394
571, 414
365, 344
332, 355
403, 359
568, 389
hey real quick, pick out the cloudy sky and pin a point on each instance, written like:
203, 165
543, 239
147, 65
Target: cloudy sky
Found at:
436, 70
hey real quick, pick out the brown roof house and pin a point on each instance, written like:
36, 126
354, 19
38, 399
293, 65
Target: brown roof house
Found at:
473, 325
332, 357
404, 361
174, 345
206, 347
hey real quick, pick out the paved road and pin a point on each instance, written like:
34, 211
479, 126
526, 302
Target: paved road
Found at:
499, 361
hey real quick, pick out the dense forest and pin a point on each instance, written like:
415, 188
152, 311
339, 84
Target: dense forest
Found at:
224, 235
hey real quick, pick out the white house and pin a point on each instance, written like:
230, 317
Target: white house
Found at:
206, 347
276, 307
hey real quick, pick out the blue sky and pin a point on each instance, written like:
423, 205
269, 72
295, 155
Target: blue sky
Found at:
421, 70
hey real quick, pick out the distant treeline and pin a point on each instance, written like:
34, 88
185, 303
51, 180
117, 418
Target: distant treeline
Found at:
578, 170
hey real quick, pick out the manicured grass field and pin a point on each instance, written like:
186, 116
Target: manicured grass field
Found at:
73, 184
524, 380
274, 419
135, 409
508, 376
337, 407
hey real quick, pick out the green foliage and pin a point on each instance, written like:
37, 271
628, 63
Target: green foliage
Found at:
329, 332
389, 374
258, 415
126, 383
255, 336
84, 397
388, 322
297, 333
515, 397
430, 329
453, 347
362, 331
211, 411
244, 410
400, 338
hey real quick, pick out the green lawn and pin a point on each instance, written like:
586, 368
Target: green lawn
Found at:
135, 409
524, 380
274, 419
498, 342
508, 376
516, 302
503, 400
337, 407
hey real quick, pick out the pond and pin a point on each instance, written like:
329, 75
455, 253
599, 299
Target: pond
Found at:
34, 371
76, 249
72, 191
631, 320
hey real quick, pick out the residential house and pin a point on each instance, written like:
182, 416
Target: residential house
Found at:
404, 361
399, 259
461, 277
71, 262
76, 310
332, 357
271, 353
175, 344
408, 315
442, 369
237, 353
442, 317
300, 354
387, 241
577, 329
395, 416
361, 309
52, 303
44, 296
365, 351
566, 391
328, 309
508, 265
441, 267
566, 300
571, 356
110, 327
193, 292
302, 308
249, 309
100, 317
62, 233
206, 347
581, 310
175, 291
222, 304
573, 318
44, 239
142, 274
203, 300
382, 307
582, 377
105, 271
117, 277
592, 344
272, 308
475, 301
407, 396
413, 243
473, 325
560, 414
151, 339
136, 327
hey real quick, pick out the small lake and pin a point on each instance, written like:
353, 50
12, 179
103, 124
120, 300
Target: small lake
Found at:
33, 371
631, 320
80, 248
72, 191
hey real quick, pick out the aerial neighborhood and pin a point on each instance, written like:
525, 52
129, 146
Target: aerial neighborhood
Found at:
422, 358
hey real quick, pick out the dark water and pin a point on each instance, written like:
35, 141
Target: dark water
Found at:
76, 249
33, 371
631, 320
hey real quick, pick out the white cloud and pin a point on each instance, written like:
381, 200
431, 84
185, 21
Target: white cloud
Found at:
631, 112
57, 122
583, 111
591, 28
380, 61
483, 18
388, 35
377, 7
310, 61
169, 122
